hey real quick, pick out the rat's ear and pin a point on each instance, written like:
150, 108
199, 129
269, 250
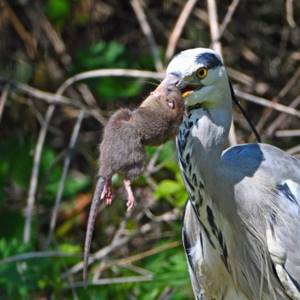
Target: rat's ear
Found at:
171, 103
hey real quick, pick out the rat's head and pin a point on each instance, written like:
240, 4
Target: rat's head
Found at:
169, 99
166, 99
201, 76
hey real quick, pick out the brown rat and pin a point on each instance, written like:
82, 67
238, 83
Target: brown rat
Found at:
122, 151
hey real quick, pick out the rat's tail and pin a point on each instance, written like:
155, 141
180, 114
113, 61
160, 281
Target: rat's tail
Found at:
91, 222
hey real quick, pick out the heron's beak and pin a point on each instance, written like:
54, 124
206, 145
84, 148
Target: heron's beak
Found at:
184, 84
186, 88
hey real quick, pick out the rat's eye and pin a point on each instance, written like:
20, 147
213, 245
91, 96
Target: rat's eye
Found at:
201, 72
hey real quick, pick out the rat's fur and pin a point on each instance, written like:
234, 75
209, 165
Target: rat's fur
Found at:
121, 149
155, 121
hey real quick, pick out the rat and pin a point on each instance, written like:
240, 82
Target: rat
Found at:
122, 150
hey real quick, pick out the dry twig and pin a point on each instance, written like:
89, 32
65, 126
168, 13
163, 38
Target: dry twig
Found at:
267, 103
294, 150
35, 93
178, 28
66, 166
128, 261
3, 99
35, 173
34, 255
55, 39
214, 26
228, 17
290, 13
114, 245
115, 280
287, 133
28, 40
281, 119
141, 16
112, 72
283, 92
216, 45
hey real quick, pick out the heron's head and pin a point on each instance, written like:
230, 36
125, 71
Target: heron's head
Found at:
202, 77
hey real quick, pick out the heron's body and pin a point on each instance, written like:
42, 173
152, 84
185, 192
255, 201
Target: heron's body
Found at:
241, 227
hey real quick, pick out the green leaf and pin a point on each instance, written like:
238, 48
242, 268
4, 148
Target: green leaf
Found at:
107, 55
168, 152
70, 248
58, 10
166, 188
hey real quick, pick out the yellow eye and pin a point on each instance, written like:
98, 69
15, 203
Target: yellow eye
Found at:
201, 72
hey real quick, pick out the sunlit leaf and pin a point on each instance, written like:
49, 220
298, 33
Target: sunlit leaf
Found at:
58, 10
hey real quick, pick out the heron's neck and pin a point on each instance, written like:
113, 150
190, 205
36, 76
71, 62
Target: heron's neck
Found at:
209, 134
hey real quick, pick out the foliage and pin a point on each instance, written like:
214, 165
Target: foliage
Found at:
106, 55
46, 42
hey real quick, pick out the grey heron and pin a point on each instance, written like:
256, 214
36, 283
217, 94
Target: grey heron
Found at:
241, 226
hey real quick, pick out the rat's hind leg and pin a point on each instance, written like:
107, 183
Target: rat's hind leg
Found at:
130, 196
107, 192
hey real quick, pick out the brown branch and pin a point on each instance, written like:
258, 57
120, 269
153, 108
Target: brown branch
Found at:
290, 13
283, 92
150, 252
66, 166
90, 100
29, 41
35, 173
228, 17
3, 99
127, 261
240, 77
115, 280
294, 150
55, 39
281, 119
217, 46
180, 23
142, 19
30, 91
267, 103
35, 255
115, 244
56, 99
287, 133
111, 72
214, 26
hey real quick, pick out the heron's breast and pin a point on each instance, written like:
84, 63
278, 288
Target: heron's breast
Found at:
211, 259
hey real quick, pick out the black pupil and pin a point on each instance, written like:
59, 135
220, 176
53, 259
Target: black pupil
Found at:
201, 72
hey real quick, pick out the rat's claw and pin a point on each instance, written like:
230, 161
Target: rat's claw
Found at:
130, 199
108, 199
130, 203
107, 193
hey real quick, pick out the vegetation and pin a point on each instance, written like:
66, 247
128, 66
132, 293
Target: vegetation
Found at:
138, 255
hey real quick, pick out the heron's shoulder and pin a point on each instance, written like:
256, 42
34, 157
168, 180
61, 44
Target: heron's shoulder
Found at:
246, 151
258, 152
263, 159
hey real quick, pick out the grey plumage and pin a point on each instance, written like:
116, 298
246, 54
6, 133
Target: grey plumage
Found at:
241, 229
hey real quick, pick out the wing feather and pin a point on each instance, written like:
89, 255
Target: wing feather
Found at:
283, 237
191, 233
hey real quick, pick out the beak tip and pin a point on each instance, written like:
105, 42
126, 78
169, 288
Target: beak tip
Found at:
185, 94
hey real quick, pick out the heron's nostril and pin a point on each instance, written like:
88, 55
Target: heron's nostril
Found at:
174, 77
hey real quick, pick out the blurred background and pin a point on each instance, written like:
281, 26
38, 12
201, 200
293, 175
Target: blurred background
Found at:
50, 130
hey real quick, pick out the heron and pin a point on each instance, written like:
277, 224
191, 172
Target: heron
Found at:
241, 225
